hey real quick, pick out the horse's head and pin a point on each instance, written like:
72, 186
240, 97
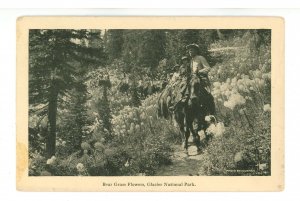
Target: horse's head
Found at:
195, 86
199, 97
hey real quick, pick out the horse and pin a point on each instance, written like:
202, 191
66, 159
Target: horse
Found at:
189, 114
200, 105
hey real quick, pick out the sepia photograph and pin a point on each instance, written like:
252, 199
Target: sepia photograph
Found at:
121, 103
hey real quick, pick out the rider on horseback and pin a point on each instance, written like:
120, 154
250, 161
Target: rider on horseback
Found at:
187, 97
199, 69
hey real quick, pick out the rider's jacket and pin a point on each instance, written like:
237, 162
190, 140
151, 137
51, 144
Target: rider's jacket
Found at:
200, 67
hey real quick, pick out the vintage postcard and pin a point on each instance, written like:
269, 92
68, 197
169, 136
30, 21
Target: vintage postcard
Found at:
150, 104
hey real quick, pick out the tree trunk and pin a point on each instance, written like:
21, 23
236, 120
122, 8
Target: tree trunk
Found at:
52, 110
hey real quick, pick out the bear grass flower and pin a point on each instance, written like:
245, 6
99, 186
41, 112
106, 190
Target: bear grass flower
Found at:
233, 80
217, 84
224, 87
126, 164
267, 108
227, 93
234, 100
207, 118
216, 129
266, 76
257, 74
216, 92
85, 146
238, 156
220, 129
51, 160
211, 129
80, 167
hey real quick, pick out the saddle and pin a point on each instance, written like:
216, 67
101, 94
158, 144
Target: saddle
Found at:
187, 88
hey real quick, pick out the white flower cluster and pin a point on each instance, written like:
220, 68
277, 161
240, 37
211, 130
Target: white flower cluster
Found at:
127, 164
267, 108
234, 100
51, 160
60, 142
237, 90
133, 119
80, 167
216, 129
207, 118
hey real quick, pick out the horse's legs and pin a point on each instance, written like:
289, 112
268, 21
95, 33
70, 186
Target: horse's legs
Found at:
180, 119
185, 136
187, 130
194, 125
185, 139
204, 126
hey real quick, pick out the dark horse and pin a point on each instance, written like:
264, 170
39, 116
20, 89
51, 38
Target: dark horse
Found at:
189, 114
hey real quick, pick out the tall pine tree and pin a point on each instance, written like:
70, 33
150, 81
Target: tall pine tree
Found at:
55, 58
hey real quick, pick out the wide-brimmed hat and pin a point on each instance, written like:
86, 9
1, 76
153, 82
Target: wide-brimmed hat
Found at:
192, 46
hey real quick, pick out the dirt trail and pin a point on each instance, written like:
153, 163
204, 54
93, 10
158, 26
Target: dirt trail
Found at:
183, 164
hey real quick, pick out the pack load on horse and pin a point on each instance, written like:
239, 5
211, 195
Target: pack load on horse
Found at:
187, 96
